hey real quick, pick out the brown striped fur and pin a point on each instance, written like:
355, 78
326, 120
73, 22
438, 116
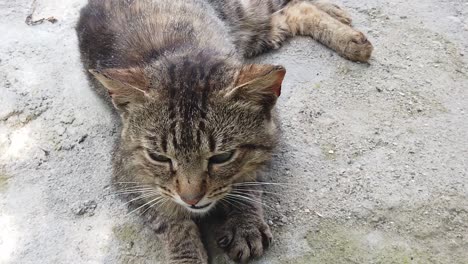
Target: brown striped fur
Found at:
174, 71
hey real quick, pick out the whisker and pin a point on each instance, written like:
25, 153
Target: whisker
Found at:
244, 202
267, 183
230, 203
126, 193
145, 204
144, 195
133, 187
257, 191
240, 196
134, 191
155, 203
248, 197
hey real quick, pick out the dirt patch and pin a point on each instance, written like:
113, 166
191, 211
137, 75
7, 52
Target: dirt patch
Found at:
396, 235
3, 181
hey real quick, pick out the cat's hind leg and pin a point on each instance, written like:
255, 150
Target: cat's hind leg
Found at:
306, 19
334, 10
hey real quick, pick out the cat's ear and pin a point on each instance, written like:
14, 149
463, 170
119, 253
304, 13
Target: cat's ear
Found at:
259, 84
125, 86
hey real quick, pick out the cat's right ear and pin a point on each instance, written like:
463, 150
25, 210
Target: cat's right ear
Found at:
125, 86
258, 85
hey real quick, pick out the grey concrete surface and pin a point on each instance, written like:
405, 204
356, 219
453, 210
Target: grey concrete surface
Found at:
373, 164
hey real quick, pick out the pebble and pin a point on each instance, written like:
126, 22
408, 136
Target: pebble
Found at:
82, 138
61, 130
86, 207
130, 245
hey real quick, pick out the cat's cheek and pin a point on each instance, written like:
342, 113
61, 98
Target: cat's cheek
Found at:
226, 172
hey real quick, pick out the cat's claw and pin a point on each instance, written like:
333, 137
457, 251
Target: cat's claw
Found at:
244, 239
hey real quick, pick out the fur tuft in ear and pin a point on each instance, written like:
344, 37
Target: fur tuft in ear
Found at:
125, 86
259, 84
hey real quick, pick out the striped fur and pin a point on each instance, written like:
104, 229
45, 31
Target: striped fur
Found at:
174, 71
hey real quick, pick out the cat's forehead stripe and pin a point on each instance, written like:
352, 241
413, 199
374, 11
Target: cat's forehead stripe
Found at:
189, 89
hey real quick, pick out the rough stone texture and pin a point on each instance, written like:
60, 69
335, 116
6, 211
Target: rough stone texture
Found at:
373, 163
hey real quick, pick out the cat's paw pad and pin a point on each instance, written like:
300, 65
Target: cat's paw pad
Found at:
244, 239
358, 47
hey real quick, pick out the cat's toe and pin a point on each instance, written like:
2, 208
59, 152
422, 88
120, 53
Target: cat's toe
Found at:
339, 14
358, 47
334, 11
243, 241
343, 17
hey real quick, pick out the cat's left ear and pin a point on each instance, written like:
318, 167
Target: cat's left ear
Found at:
259, 84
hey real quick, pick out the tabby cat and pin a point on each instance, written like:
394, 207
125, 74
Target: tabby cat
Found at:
198, 122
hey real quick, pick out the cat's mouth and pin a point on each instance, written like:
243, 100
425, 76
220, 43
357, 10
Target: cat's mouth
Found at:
200, 207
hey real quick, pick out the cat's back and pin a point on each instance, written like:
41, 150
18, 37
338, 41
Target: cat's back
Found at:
122, 33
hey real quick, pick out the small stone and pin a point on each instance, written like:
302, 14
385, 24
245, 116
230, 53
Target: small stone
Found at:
306, 211
61, 130
67, 120
88, 228
331, 151
130, 245
82, 138
376, 219
270, 222
86, 207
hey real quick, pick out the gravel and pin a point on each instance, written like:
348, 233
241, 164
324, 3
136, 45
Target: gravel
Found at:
373, 161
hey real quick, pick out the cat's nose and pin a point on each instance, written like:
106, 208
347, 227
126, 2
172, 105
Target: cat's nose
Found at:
192, 199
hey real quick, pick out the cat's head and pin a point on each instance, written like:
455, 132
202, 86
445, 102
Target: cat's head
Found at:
192, 130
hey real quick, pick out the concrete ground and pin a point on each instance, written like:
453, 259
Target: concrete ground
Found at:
373, 163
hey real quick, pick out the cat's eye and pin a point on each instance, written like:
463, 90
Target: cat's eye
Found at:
221, 158
159, 157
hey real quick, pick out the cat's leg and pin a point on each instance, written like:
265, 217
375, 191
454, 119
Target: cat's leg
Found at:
181, 239
244, 235
334, 11
304, 18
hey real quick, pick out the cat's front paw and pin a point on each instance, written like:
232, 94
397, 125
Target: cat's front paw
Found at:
244, 238
358, 47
